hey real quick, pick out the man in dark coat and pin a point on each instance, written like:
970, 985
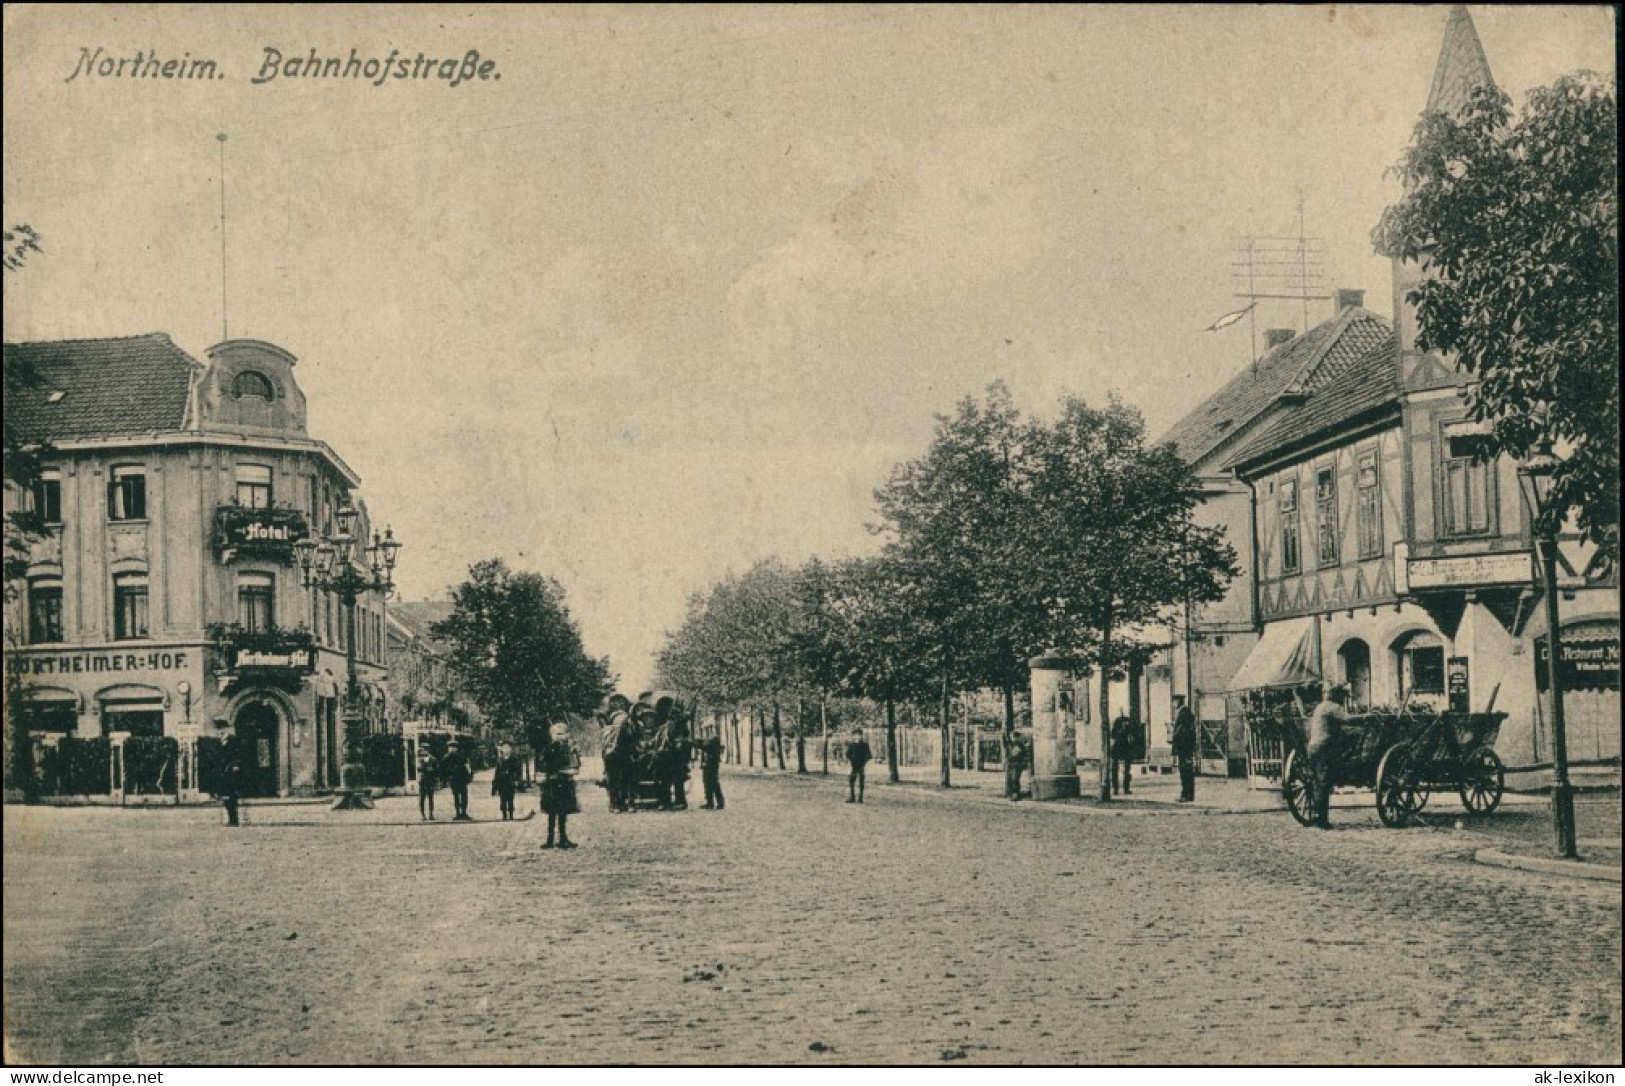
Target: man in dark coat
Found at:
231, 780
1124, 744
857, 758
618, 741
454, 768
1326, 726
1184, 743
710, 753
428, 781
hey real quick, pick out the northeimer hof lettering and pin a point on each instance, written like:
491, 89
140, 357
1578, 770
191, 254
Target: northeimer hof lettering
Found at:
78, 663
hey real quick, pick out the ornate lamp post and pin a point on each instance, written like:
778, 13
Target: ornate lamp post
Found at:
1536, 477
339, 565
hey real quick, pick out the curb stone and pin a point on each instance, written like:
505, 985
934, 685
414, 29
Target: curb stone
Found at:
1570, 868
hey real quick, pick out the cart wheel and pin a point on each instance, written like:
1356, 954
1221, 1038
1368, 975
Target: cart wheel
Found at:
1483, 778
1298, 787
1397, 795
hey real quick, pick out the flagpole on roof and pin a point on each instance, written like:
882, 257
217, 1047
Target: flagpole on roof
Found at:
224, 334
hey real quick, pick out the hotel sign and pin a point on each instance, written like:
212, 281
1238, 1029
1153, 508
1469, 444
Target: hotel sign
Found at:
1466, 571
93, 663
297, 660
265, 533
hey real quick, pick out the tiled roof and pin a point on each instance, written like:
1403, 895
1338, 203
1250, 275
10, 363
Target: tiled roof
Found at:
1356, 379
1327, 348
418, 617
1462, 64
89, 388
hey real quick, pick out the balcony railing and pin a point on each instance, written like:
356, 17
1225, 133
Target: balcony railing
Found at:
258, 533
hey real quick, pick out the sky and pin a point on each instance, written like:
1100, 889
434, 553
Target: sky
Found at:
671, 290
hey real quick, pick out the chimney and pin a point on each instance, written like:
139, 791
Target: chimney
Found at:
1274, 337
1348, 299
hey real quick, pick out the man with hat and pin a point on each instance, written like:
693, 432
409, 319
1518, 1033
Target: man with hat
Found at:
1185, 748
454, 767
615, 741
710, 754
1326, 725
857, 759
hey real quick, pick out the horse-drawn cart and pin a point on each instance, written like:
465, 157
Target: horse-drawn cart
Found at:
1404, 757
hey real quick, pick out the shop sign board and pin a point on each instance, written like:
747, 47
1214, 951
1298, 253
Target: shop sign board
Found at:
1589, 662
1468, 570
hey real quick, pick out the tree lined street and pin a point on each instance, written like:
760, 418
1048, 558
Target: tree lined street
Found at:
793, 928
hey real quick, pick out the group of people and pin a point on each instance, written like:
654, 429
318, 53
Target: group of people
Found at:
452, 770
648, 747
557, 761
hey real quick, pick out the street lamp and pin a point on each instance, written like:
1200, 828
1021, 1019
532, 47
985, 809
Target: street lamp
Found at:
336, 564
1536, 477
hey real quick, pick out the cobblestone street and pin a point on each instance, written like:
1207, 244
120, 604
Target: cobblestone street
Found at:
794, 928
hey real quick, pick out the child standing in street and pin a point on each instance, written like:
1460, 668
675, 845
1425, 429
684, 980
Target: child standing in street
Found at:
505, 780
559, 765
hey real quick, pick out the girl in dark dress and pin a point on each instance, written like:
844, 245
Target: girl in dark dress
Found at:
559, 764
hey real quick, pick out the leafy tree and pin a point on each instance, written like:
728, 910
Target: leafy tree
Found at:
23, 525
1112, 541
518, 651
881, 642
738, 646
1517, 222
959, 516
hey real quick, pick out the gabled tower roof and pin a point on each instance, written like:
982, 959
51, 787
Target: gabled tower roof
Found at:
1462, 64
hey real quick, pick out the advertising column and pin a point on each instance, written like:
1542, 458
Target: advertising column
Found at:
1055, 765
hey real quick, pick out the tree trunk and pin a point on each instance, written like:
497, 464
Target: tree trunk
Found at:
823, 729
1104, 701
891, 741
801, 739
750, 734
733, 736
778, 740
947, 740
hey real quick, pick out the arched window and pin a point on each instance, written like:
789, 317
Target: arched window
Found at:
1355, 656
1420, 660
252, 383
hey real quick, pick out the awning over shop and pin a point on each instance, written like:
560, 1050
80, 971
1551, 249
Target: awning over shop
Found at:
1285, 656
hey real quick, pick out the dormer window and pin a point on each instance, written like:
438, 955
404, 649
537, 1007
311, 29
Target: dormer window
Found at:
252, 383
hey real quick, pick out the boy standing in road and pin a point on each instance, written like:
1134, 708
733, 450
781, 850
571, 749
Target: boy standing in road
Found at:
857, 756
505, 780
1123, 753
428, 781
710, 749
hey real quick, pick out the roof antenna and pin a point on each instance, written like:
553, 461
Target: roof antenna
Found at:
224, 334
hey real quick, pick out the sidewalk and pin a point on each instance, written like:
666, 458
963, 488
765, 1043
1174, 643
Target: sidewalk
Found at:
1518, 834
